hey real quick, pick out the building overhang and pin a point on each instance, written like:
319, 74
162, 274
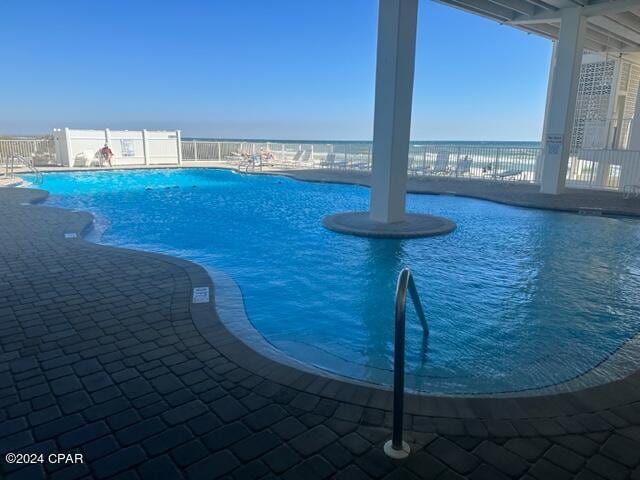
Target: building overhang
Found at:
613, 25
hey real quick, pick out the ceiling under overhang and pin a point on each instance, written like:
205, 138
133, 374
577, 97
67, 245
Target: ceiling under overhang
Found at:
612, 25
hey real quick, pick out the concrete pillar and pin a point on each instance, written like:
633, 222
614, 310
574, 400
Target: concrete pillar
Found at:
145, 147
179, 141
392, 119
634, 133
562, 101
552, 67
629, 172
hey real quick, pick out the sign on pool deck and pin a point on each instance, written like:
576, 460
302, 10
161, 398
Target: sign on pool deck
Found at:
201, 295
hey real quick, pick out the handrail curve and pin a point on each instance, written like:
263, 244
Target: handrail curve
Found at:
396, 447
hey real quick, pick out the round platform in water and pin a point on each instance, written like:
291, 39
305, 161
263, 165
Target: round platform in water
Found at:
416, 225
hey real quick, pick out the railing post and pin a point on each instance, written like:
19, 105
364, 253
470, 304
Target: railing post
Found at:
145, 147
107, 139
179, 141
346, 157
424, 160
195, 151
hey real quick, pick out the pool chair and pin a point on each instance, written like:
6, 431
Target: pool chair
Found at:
463, 166
237, 156
630, 191
253, 162
508, 174
442, 164
296, 158
416, 168
329, 160
86, 159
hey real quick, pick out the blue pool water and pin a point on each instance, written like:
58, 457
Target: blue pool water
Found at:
516, 298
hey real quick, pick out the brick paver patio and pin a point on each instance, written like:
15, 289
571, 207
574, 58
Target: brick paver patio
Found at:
101, 352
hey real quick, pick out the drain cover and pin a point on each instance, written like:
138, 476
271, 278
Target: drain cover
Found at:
70, 235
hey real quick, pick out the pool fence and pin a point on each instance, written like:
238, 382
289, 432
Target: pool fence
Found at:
604, 169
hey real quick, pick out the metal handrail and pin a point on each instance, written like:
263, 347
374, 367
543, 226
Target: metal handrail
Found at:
396, 447
30, 164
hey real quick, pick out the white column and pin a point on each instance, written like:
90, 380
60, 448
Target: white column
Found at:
629, 168
179, 141
552, 67
562, 101
392, 120
634, 133
145, 147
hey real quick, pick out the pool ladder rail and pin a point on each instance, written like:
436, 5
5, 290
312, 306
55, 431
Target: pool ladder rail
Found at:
15, 160
396, 447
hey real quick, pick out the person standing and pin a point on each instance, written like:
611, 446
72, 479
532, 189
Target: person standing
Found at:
106, 154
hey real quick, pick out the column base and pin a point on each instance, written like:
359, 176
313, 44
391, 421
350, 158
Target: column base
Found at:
416, 225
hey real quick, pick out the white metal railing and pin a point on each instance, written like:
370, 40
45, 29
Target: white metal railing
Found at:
587, 168
459, 160
41, 151
602, 133
604, 169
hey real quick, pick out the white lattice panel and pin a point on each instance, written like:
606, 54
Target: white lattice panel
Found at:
593, 100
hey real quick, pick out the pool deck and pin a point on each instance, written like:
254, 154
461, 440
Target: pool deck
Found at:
511, 193
103, 353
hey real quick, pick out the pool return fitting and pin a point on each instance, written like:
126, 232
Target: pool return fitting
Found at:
396, 447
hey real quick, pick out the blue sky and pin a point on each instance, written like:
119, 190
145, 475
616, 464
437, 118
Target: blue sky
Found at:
277, 69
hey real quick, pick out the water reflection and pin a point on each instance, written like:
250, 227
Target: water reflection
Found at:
384, 260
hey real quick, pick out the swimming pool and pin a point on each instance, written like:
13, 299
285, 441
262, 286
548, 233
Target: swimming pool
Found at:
516, 298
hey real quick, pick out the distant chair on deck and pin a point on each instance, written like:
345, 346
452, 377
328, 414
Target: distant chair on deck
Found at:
86, 158
329, 161
511, 174
631, 190
253, 162
463, 166
296, 158
442, 164
416, 167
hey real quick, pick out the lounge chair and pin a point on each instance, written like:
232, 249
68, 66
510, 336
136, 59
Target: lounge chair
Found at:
87, 158
329, 160
416, 168
508, 173
631, 190
442, 164
463, 166
296, 158
253, 162
237, 155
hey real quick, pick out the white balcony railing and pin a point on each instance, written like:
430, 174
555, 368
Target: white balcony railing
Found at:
459, 160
